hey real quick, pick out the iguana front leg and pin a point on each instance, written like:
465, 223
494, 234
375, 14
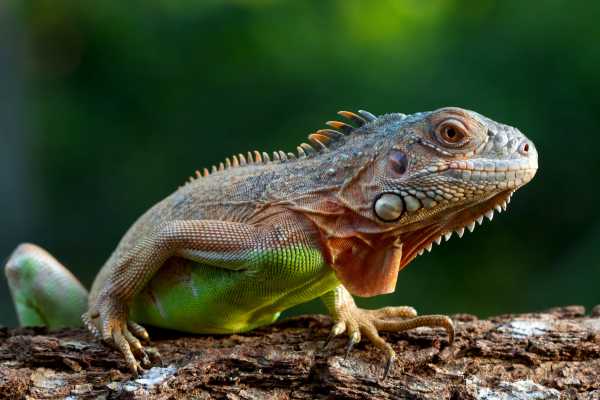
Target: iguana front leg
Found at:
347, 316
221, 244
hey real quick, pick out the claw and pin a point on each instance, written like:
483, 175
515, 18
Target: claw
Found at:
388, 367
332, 334
450, 330
155, 356
350, 346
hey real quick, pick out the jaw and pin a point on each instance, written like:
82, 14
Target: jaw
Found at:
368, 264
415, 241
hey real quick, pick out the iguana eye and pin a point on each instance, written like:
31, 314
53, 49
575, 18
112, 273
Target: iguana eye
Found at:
452, 133
398, 163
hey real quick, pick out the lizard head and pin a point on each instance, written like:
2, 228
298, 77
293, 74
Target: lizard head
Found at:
423, 177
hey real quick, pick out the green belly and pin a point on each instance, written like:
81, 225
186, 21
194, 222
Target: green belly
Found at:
189, 296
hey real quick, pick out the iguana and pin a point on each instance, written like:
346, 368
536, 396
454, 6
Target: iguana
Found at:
231, 249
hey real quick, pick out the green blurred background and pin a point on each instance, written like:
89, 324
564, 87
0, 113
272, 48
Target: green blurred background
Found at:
107, 107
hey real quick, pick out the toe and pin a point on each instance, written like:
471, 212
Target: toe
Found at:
138, 330
387, 312
135, 344
107, 334
371, 332
123, 345
337, 329
87, 321
426, 320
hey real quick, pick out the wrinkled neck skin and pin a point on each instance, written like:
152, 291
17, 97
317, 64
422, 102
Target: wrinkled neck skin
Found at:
367, 256
356, 251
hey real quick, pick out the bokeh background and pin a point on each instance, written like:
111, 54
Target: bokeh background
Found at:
107, 107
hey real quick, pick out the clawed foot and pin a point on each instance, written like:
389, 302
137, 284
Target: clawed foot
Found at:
119, 333
368, 322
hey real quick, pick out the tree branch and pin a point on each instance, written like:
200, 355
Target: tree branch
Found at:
548, 355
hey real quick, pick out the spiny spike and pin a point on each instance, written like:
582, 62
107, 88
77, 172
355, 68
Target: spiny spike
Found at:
250, 160
327, 141
367, 115
192, 179
428, 247
221, 167
282, 155
275, 156
257, 156
235, 162
242, 160
341, 126
227, 163
334, 134
309, 150
490, 214
497, 208
480, 220
187, 183
292, 156
353, 117
471, 226
447, 236
504, 205
508, 199
421, 252
460, 231
266, 158
300, 152
438, 239
214, 169
206, 173
318, 145
198, 174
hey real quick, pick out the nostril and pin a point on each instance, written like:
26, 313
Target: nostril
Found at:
524, 148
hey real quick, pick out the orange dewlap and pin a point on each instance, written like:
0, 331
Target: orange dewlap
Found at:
364, 270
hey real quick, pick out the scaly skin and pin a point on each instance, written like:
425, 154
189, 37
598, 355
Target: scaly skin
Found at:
228, 252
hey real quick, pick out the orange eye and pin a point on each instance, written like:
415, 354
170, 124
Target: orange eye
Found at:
452, 133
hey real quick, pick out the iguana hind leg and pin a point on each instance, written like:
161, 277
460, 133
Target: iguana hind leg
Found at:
44, 291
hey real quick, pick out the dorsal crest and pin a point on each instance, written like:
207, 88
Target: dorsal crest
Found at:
320, 141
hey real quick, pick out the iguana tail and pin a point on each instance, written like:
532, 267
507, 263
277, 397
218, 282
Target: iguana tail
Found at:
44, 291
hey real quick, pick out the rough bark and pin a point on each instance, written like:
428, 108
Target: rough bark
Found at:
553, 354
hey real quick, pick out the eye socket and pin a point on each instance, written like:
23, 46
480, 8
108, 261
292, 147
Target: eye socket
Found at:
398, 163
452, 133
